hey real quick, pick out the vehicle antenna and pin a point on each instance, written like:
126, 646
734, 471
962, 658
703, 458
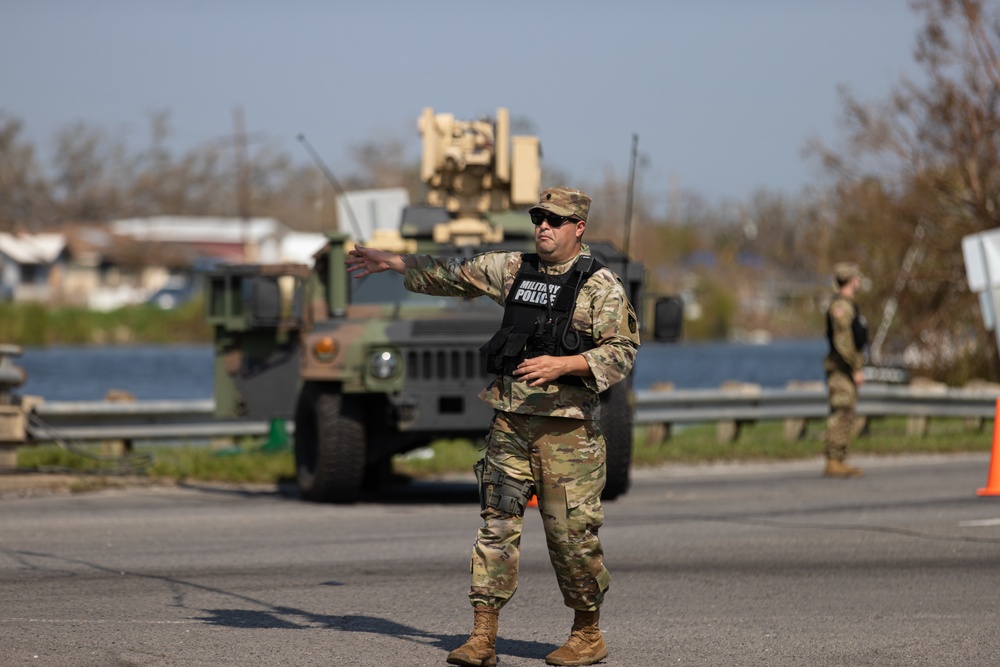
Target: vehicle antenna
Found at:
336, 185
628, 198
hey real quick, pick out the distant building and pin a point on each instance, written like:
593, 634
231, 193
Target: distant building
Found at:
31, 265
135, 260
107, 271
233, 240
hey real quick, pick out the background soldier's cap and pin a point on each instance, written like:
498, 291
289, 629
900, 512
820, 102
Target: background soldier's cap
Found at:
566, 202
844, 271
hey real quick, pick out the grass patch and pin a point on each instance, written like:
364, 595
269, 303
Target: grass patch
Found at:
86, 458
246, 463
945, 436
240, 465
699, 443
441, 458
36, 325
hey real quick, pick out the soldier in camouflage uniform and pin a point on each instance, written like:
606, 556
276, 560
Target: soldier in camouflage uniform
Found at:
545, 438
847, 334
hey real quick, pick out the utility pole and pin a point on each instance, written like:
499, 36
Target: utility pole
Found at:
628, 198
243, 184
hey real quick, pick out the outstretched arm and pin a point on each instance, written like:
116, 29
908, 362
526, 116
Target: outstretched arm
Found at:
363, 261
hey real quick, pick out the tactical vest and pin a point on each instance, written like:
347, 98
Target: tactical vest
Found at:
859, 328
537, 317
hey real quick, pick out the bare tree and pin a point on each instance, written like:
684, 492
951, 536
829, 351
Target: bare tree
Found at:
89, 168
24, 193
383, 164
919, 171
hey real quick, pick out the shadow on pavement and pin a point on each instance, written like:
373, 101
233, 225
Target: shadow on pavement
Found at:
282, 618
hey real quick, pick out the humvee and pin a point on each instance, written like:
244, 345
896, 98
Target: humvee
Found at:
368, 370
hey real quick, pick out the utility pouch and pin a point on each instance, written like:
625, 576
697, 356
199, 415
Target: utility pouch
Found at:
504, 351
500, 491
514, 346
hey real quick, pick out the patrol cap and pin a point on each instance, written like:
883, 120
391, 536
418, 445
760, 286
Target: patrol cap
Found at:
567, 202
844, 271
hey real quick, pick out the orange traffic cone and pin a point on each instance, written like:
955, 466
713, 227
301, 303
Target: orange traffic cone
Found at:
534, 501
993, 479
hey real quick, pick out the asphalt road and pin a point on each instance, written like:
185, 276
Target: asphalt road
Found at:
722, 565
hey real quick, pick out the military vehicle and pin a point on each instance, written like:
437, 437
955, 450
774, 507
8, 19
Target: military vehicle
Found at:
368, 370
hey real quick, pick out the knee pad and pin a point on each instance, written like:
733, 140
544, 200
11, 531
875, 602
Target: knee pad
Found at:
501, 491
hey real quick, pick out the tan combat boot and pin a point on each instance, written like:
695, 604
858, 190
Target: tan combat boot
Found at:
479, 650
837, 468
585, 645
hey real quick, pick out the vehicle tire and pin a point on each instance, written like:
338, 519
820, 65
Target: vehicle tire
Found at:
616, 422
330, 445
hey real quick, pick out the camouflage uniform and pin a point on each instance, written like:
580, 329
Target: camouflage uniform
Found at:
549, 434
843, 359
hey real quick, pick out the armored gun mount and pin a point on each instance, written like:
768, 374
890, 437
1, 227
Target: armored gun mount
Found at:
473, 169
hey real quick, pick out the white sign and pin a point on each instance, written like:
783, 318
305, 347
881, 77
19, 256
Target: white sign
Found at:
982, 259
982, 271
361, 212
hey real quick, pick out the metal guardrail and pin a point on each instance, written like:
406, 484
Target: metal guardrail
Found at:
185, 420
732, 409
748, 405
138, 420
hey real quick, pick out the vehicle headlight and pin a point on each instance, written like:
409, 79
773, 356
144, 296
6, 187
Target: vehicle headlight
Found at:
384, 364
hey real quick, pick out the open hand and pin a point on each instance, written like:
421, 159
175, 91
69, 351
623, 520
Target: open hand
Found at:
362, 261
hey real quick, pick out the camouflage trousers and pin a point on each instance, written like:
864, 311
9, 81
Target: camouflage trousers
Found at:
840, 425
566, 460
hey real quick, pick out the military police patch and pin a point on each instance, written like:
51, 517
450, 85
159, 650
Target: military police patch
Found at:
535, 292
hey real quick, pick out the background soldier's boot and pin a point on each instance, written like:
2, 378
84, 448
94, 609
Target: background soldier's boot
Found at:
480, 650
837, 468
585, 645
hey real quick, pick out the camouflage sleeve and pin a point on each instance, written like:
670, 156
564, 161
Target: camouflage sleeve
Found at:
841, 316
480, 275
614, 327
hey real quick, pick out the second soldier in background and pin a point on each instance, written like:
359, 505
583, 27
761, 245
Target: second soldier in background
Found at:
847, 333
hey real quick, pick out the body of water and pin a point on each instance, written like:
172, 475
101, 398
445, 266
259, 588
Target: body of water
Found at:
148, 372
185, 371
708, 365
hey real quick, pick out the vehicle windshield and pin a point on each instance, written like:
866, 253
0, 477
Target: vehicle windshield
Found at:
387, 288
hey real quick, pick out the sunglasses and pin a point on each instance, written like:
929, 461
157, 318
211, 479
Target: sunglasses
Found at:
555, 221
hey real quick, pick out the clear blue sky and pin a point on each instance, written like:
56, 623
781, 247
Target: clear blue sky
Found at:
724, 94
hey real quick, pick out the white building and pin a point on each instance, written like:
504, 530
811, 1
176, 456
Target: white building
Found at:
30, 265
